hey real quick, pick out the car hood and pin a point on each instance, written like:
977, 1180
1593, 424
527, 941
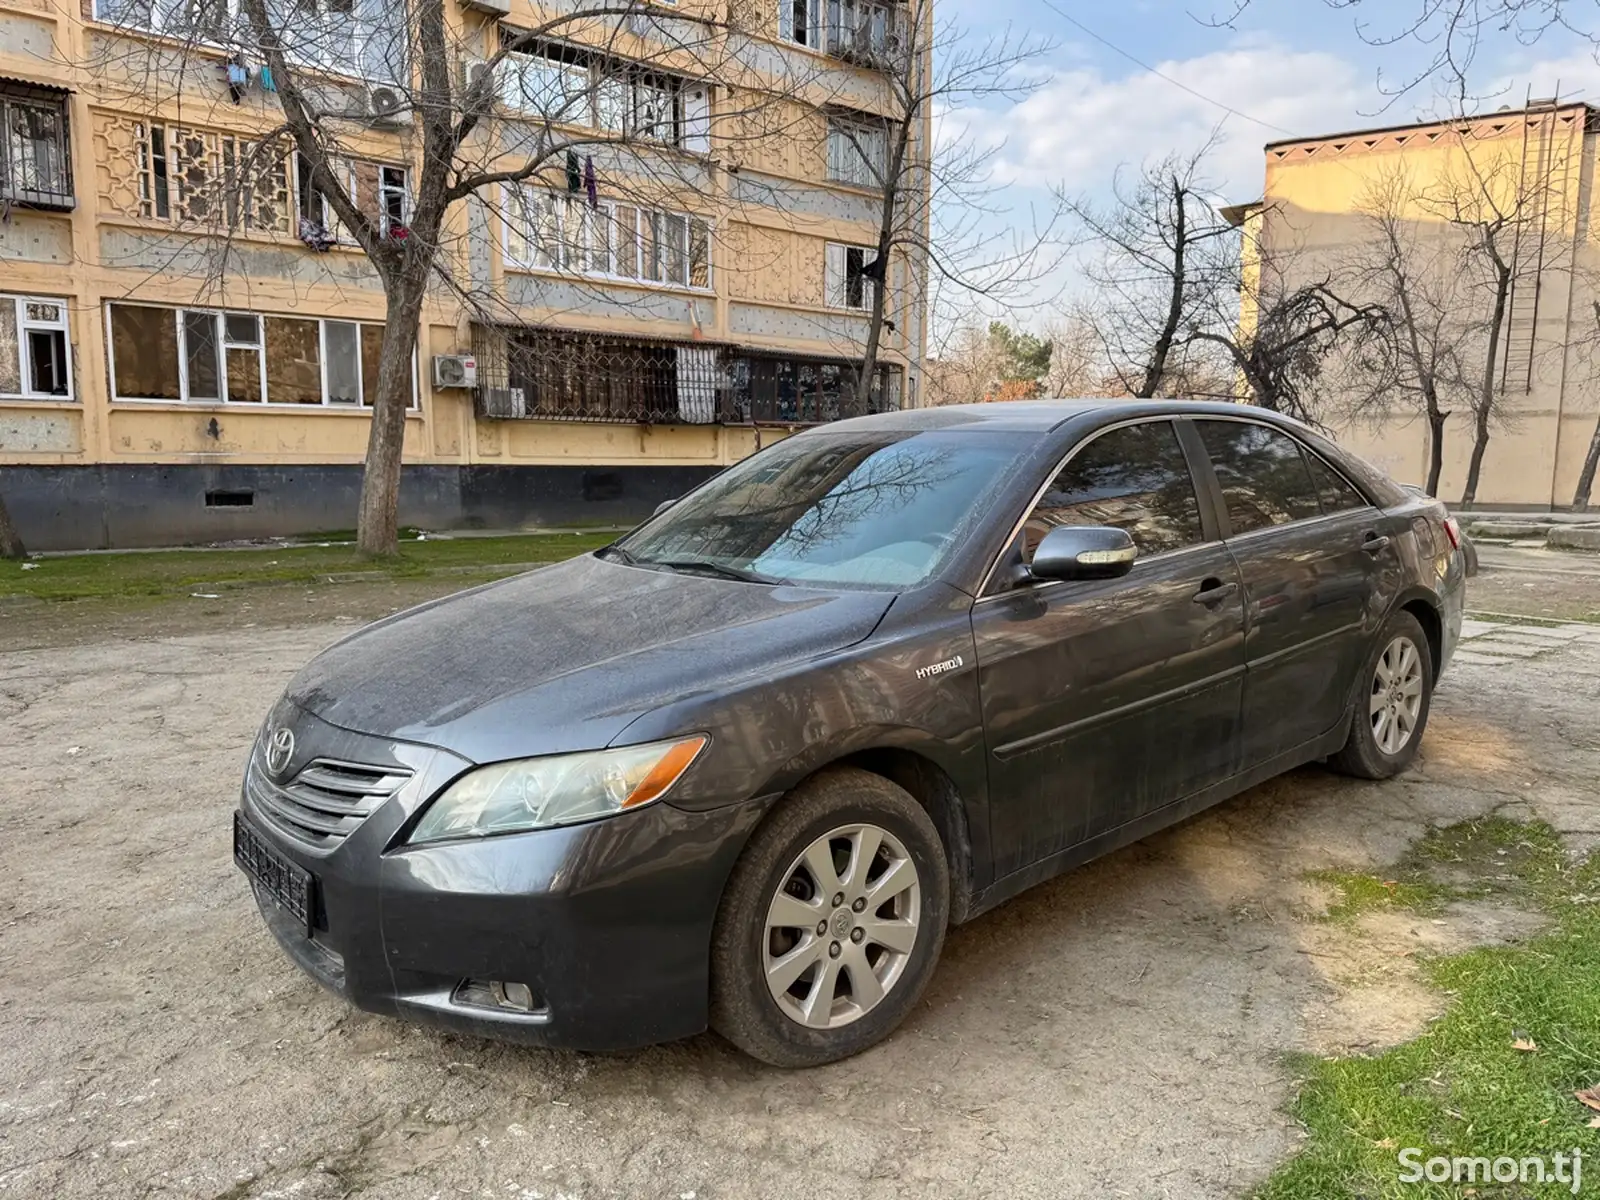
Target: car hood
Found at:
566, 657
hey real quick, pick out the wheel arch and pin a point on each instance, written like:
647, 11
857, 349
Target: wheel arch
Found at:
928, 783
1425, 608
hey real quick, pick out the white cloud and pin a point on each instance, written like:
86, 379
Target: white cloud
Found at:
1082, 124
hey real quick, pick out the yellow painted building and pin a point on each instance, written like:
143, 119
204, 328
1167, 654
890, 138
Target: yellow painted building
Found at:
1533, 171
185, 357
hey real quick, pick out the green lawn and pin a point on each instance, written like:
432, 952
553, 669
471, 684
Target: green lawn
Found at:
1464, 1088
79, 576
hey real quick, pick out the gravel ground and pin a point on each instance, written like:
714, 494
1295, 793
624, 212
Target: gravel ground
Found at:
1117, 1032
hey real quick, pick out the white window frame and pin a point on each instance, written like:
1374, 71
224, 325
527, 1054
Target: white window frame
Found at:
19, 316
847, 161
594, 103
836, 277
814, 36
402, 190
333, 62
566, 205
260, 346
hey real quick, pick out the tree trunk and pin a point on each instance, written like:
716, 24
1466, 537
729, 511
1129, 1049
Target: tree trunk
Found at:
1480, 443
1484, 408
1156, 369
1436, 420
378, 519
11, 543
1580, 496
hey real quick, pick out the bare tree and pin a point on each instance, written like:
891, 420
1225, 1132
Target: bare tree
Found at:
1493, 203
1418, 278
484, 111
10, 541
1182, 297
935, 197
1158, 254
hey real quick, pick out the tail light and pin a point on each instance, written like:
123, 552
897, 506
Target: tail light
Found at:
1453, 532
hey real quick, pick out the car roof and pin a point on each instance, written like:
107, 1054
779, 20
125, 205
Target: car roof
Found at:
1037, 416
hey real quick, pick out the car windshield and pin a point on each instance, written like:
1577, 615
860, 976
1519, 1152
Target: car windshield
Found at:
870, 509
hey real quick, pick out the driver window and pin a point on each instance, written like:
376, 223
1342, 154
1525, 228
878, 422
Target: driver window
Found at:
1135, 478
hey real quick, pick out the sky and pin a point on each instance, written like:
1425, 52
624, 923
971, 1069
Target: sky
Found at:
1285, 68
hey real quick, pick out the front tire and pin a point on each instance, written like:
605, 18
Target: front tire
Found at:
832, 922
1391, 709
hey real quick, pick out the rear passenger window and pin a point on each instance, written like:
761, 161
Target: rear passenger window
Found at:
1333, 489
1263, 475
1135, 478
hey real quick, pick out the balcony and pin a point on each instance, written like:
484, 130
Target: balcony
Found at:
538, 374
35, 160
867, 32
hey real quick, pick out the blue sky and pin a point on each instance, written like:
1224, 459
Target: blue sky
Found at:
1292, 65
1297, 67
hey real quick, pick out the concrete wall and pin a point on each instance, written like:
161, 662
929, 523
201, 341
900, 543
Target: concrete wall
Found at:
1537, 167
118, 505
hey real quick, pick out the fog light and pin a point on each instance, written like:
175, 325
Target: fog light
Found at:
496, 993
512, 995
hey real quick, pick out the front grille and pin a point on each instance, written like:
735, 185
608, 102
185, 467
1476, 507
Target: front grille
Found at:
325, 802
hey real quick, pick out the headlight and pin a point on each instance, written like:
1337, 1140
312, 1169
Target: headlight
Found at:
537, 793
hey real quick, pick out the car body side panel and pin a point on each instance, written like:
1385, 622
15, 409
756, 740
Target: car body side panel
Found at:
1106, 699
912, 686
1313, 598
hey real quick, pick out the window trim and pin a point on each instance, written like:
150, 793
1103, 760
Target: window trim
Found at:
221, 314
1300, 523
19, 302
588, 114
984, 592
868, 284
39, 96
157, 26
512, 207
859, 123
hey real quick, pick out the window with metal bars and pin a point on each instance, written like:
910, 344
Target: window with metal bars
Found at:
35, 159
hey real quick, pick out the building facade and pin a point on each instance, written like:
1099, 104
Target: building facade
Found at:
1524, 180
189, 341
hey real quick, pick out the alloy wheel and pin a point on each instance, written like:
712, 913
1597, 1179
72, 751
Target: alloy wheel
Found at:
1396, 701
841, 927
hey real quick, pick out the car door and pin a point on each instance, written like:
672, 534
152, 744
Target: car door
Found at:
1310, 550
1104, 700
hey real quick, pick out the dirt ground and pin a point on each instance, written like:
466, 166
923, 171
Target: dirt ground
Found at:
1117, 1032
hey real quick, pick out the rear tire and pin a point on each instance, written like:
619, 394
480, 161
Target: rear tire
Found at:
1391, 707
831, 923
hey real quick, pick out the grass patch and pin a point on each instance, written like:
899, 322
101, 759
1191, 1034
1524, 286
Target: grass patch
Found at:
1462, 1089
83, 576
1360, 894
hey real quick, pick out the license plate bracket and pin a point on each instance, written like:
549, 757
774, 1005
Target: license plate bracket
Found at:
290, 886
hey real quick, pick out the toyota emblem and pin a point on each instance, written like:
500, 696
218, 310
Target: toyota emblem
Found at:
280, 749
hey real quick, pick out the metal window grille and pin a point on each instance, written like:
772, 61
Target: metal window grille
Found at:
534, 373
35, 155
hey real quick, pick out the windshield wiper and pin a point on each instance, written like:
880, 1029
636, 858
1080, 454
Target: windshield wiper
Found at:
618, 553
691, 566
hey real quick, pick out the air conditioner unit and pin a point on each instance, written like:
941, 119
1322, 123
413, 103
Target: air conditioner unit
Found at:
507, 402
455, 371
472, 70
386, 106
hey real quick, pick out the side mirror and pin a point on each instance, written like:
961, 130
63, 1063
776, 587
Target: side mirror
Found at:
663, 506
1084, 552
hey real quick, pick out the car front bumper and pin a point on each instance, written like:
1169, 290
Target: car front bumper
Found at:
607, 924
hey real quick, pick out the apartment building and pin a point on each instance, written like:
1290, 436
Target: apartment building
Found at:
1523, 178
189, 339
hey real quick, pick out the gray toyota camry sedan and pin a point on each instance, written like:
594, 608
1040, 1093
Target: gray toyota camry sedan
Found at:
745, 766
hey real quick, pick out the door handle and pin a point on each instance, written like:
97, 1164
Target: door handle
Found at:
1214, 591
1374, 542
